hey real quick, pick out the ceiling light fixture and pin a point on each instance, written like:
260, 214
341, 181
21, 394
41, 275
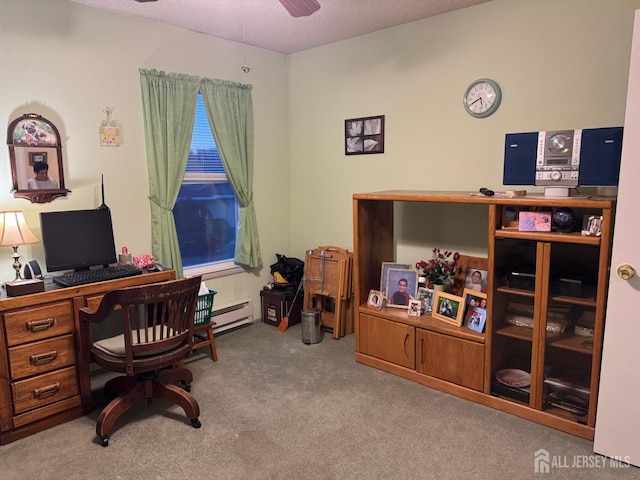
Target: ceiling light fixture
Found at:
245, 68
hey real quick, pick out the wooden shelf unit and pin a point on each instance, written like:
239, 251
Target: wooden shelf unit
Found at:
462, 362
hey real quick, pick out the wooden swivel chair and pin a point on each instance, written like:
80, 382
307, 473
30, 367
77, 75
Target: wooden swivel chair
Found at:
157, 325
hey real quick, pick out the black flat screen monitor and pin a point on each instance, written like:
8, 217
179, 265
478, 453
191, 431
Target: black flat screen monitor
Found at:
77, 239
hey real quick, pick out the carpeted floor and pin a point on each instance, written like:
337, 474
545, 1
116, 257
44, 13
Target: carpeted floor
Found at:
275, 408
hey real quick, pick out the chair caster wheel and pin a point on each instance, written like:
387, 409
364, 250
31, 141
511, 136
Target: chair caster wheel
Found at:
187, 388
104, 441
195, 423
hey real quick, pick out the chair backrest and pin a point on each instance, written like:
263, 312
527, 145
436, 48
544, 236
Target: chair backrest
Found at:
157, 323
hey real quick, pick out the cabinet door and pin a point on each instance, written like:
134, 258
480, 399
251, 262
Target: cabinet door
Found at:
452, 359
387, 340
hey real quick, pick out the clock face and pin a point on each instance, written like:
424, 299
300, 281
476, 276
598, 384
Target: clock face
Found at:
482, 98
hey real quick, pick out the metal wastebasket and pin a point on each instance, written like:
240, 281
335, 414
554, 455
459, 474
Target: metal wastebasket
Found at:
311, 326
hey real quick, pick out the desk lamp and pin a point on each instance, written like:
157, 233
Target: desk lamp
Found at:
14, 232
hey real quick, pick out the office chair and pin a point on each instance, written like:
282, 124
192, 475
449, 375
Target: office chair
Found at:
157, 325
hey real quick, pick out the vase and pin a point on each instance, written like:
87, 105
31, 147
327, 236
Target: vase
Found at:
438, 287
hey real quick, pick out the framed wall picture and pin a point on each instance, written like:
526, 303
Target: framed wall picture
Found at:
415, 308
364, 135
402, 286
448, 308
384, 272
376, 299
37, 157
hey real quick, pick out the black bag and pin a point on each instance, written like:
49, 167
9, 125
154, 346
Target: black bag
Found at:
292, 269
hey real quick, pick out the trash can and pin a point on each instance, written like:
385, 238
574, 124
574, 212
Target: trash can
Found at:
311, 326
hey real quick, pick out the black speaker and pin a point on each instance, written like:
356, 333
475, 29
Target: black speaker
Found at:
520, 153
600, 155
32, 270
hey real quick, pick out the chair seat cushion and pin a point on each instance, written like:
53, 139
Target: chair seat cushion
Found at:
115, 345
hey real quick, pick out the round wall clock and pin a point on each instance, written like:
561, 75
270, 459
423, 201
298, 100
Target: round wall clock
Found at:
482, 98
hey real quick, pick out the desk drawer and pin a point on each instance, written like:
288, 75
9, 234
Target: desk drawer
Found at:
33, 324
41, 357
44, 389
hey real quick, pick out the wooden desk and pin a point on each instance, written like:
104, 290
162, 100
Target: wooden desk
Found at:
44, 380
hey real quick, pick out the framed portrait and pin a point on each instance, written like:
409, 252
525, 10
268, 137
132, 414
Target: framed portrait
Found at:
415, 308
448, 308
475, 319
37, 157
534, 221
426, 299
465, 277
384, 272
402, 286
473, 299
592, 225
376, 299
364, 135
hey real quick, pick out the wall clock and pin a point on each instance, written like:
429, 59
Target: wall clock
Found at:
482, 98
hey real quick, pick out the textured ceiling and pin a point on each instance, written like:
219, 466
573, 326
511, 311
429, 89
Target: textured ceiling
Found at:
267, 24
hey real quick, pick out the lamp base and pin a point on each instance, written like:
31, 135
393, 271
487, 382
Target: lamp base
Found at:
24, 287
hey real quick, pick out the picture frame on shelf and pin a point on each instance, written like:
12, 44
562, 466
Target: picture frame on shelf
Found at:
475, 319
426, 299
384, 272
376, 299
534, 221
448, 308
364, 135
415, 308
592, 225
472, 299
511, 217
464, 269
402, 286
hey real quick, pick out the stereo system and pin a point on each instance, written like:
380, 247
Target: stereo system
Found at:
563, 158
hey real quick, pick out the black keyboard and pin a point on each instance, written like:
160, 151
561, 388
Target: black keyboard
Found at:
98, 275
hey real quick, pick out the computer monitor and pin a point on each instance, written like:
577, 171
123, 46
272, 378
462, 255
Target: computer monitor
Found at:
77, 239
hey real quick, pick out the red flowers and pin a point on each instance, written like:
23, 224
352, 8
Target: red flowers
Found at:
441, 268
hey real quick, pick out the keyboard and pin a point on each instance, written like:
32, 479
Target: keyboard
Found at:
98, 275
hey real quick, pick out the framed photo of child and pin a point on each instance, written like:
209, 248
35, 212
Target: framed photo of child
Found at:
376, 299
402, 286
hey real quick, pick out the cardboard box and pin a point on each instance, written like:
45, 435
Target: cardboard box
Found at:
276, 305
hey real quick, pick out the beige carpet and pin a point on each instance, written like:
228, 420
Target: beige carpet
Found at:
275, 408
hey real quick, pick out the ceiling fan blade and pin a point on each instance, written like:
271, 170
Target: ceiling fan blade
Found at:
300, 8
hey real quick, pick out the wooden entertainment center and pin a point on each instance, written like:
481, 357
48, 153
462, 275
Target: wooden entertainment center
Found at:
44, 379
567, 271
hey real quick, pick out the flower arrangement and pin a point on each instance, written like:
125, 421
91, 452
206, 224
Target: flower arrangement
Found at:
441, 268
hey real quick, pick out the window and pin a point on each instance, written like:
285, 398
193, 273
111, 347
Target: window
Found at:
206, 211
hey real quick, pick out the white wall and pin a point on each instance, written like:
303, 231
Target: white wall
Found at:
68, 62
560, 63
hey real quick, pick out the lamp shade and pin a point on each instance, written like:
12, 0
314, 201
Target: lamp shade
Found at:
14, 230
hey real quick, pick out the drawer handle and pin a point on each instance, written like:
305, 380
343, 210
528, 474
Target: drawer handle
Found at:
42, 358
39, 393
37, 325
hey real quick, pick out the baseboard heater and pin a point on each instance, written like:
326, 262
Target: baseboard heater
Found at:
232, 314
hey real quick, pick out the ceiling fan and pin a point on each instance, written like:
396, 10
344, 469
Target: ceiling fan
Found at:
296, 8
300, 8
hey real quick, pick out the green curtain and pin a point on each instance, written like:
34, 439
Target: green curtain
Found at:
230, 112
169, 109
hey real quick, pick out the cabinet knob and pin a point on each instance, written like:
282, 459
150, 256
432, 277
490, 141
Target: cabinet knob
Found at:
626, 271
